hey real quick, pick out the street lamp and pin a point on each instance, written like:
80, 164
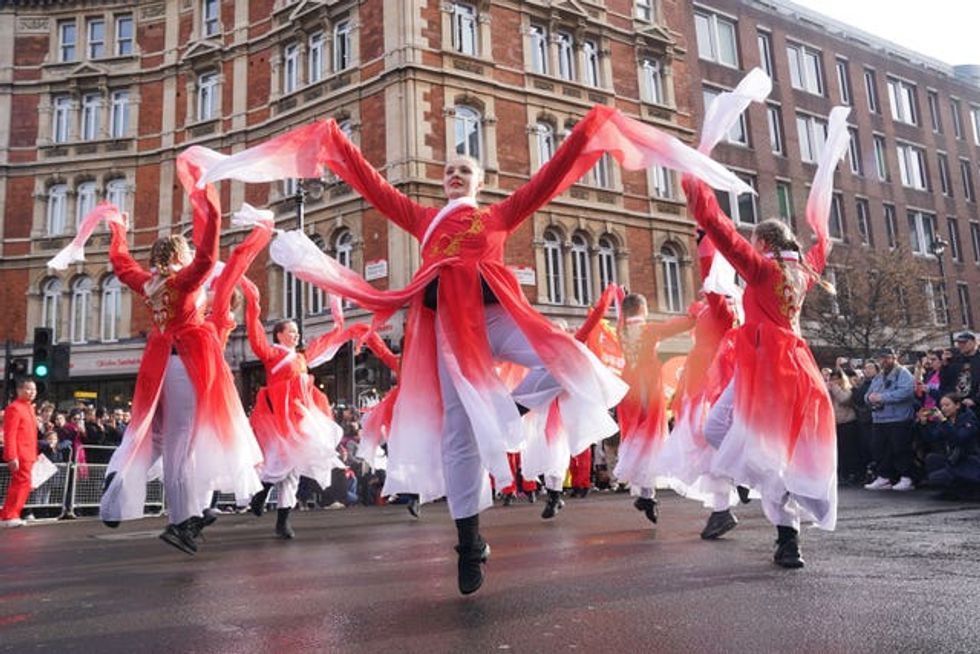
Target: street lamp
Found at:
315, 192
938, 248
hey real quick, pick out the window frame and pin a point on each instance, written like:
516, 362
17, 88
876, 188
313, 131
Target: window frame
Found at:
953, 230
208, 85
125, 45
802, 78
903, 101
843, 81
119, 114
554, 273
581, 260
912, 168
670, 268
465, 23
56, 214
315, 50
86, 197
476, 120
210, 18
966, 173
111, 303
652, 77
713, 40
67, 49
78, 310
92, 41
538, 35
871, 90
51, 292
342, 46
91, 116
813, 146
891, 224
61, 119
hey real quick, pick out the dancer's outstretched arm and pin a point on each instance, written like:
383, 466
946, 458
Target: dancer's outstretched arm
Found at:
124, 266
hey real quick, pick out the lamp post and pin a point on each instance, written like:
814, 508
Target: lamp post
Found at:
299, 303
938, 248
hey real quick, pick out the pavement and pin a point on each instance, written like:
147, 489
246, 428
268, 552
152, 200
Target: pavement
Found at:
901, 573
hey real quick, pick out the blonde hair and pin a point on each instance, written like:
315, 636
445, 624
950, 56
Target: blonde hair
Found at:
778, 238
476, 165
164, 249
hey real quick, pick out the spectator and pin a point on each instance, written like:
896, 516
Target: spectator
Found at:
927, 388
963, 372
891, 397
73, 431
115, 428
44, 416
849, 463
953, 426
97, 434
56, 453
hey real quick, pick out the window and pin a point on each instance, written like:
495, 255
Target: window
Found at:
643, 9
115, 192
91, 103
836, 225
599, 175
912, 166
469, 140
120, 114
775, 129
539, 49
881, 164
871, 88
81, 299
607, 261
944, 184
933, 100
61, 119
341, 46
804, 69
545, 136
922, 231
716, 38
207, 96
901, 95
314, 58
784, 200
671, 268
464, 28
966, 310
343, 247
96, 39
553, 271
57, 214
84, 201
937, 300
975, 121
290, 68
864, 222
765, 53
955, 251
590, 51
292, 296
843, 83
812, 135
742, 209
581, 271
663, 186
739, 133
830, 273
51, 306
289, 187
111, 314
124, 35
891, 226
653, 83
566, 56
967, 175
954, 106
209, 17
975, 240
67, 38
854, 151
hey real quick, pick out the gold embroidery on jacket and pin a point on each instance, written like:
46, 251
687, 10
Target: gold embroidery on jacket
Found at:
450, 245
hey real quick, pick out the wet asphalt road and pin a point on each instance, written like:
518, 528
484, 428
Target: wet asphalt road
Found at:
902, 573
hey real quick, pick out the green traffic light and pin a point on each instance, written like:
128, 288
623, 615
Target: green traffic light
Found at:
40, 370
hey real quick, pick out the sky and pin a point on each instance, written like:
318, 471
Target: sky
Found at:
947, 30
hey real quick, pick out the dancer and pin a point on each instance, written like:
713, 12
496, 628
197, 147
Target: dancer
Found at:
784, 447
19, 450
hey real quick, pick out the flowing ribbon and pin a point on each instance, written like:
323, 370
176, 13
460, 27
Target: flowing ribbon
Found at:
822, 190
75, 251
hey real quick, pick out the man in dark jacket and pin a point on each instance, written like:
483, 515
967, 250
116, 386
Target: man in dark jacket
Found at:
962, 375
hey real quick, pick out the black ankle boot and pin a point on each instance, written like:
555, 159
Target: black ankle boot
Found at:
257, 505
283, 530
473, 553
788, 548
414, 506
180, 536
743, 494
719, 523
649, 507
554, 505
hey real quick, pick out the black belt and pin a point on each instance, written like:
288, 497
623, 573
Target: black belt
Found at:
431, 298
173, 350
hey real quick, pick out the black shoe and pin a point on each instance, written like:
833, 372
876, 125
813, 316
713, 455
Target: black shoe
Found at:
532, 497
649, 507
508, 499
622, 488
554, 505
719, 523
283, 529
414, 507
743, 494
582, 492
257, 504
195, 527
180, 536
210, 517
788, 548
469, 570
111, 524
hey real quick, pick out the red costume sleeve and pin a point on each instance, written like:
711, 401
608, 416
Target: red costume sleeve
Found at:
332, 339
191, 277
719, 307
347, 162
13, 424
124, 266
377, 345
238, 262
565, 168
701, 201
253, 323
597, 313
816, 256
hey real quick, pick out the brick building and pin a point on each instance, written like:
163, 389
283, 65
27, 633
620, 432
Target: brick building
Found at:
98, 98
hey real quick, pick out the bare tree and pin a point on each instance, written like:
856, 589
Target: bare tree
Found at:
882, 301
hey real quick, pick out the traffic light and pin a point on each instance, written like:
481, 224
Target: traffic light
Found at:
16, 369
42, 352
60, 362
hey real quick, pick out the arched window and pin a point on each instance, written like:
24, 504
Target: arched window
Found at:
607, 261
469, 139
115, 192
343, 246
545, 135
111, 309
581, 271
671, 267
51, 305
81, 300
554, 273
57, 209
85, 201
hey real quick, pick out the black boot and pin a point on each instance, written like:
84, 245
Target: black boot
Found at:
473, 552
180, 536
554, 505
414, 506
508, 499
532, 496
649, 507
111, 524
788, 548
283, 530
719, 523
258, 500
743, 494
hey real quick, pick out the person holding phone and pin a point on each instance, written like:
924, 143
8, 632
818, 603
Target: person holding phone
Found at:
891, 397
954, 428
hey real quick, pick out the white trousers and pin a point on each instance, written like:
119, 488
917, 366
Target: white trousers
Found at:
467, 482
174, 425
286, 491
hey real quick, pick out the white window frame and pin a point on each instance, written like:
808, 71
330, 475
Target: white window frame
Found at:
912, 166
81, 302
607, 261
210, 16
954, 107
652, 77
953, 228
784, 196
94, 43
466, 32
601, 173
975, 240
566, 55
966, 173
934, 294
733, 205
342, 51
881, 161
124, 43
922, 232
975, 121
554, 272
932, 99
343, 247
290, 68
862, 212
812, 133
86, 197
775, 121
51, 306
581, 271
843, 81
803, 75
207, 96
590, 55
314, 57
764, 41
966, 306
292, 293
467, 121
67, 41
891, 225
644, 10
544, 136
670, 266
539, 49
57, 210
854, 151
709, 28
835, 226
116, 191
663, 182
119, 114
61, 119
110, 313
871, 89
91, 115
901, 97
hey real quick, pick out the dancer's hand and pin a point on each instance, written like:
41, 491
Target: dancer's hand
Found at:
14, 465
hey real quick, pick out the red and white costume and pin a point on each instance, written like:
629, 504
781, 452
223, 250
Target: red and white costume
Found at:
185, 405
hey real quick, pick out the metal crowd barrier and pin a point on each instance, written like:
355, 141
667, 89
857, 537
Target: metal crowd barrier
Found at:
49, 495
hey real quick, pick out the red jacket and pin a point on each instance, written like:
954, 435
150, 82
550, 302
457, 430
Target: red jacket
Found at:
20, 432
